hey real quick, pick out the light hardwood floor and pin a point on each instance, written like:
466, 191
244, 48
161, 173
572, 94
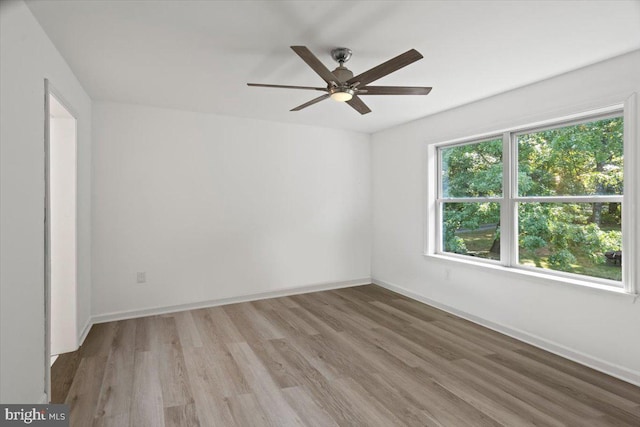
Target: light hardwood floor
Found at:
358, 356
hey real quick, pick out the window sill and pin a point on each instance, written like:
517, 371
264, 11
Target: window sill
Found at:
546, 278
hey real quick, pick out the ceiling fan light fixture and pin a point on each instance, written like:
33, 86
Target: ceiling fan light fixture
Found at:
342, 95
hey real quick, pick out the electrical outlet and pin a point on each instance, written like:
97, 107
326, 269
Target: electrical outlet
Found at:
141, 277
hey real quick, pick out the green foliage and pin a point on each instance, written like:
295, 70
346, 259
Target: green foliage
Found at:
575, 160
565, 232
466, 216
584, 159
456, 245
473, 170
531, 243
561, 259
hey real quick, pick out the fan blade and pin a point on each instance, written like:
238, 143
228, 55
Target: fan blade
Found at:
385, 68
393, 90
315, 64
359, 105
323, 89
313, 101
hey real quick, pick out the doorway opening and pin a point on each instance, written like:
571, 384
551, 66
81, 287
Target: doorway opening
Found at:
60, 229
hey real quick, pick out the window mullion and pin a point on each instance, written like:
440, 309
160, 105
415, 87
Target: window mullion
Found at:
437, 245
470, 200
515, 248
506, 206
439, 231
571, 199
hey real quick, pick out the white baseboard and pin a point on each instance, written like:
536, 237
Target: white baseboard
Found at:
622, 373
132, 314
85, 331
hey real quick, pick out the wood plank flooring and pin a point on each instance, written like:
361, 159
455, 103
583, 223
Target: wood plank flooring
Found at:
361, 356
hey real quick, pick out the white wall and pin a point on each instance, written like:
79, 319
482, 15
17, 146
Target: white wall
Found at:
213, 207
62, 201
596, 327
27, 57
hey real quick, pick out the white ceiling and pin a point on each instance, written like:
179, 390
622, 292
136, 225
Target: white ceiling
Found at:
198, 55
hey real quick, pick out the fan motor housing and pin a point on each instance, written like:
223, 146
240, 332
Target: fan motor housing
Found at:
342, 73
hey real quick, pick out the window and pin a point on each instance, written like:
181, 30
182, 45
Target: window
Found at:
541, 199
471, 187
570, 184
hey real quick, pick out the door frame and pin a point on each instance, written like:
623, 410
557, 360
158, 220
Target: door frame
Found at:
50, 90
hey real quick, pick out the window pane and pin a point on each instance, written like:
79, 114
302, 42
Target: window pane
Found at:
582, 238
584, 159
472, 170
472, 229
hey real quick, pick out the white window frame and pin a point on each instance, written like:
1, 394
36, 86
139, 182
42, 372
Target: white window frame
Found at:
441, 200
509, 200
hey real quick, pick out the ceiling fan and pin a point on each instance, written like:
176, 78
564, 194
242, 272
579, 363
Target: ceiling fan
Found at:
344, 87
